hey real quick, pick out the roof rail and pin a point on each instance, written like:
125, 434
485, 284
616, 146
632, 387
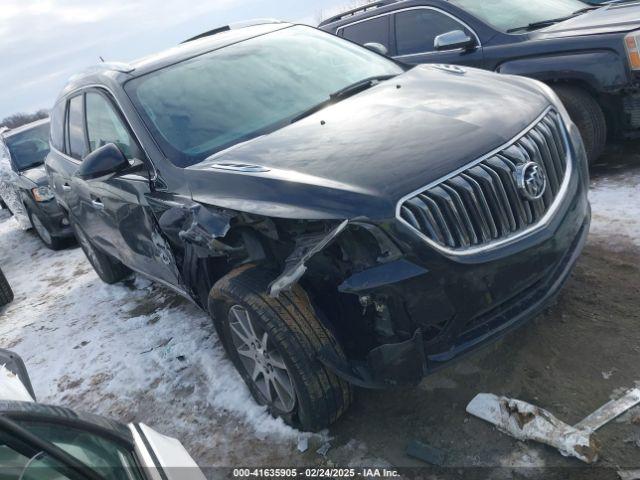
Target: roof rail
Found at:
355, 11
101, 68
208, 33
233, 26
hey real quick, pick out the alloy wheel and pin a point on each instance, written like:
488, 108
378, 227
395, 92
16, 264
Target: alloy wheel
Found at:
41, 229
263, 363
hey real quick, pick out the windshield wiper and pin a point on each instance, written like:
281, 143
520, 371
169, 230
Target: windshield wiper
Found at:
551, 21
359, 86
343, 93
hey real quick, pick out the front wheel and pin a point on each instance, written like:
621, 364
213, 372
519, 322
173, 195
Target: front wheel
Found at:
43, 232
108, 269
586, 113
274, 343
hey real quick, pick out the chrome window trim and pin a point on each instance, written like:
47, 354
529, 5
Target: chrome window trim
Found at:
544, 221
112, 96
393, 12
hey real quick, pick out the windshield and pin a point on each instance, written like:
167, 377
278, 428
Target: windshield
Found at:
203, 105
29, 148
512, 14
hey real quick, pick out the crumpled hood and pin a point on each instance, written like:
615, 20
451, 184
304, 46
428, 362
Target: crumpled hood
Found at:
360, 156
37, 175
610, 19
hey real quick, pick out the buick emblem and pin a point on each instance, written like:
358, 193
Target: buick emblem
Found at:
531, 180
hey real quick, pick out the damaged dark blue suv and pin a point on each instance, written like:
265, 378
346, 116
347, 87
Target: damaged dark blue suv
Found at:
346, 220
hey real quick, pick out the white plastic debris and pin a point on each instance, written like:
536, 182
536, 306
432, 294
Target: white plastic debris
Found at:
524, 421
610, 410
528, 422
629, 474
303, 444
324, 449
607, 375
11, 388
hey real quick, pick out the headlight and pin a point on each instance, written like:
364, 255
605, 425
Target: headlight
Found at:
632, 42
42, 194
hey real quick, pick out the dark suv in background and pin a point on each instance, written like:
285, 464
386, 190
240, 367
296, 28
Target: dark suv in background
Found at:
345, 219
28, 147
589, 55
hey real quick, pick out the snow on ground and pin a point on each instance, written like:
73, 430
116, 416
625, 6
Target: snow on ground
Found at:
615, 200
132, 351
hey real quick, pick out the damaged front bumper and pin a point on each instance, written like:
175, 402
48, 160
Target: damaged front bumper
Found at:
409, 361
449, 306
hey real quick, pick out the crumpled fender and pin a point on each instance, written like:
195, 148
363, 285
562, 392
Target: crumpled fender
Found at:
295, 265
184, 221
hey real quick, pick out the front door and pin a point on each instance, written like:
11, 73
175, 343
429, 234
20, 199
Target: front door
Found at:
416, 30
123, 223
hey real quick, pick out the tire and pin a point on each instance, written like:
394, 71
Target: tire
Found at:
295, 337
108, 269
43, 233
588, 117
6, 294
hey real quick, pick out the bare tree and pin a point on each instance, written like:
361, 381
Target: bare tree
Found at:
18, 119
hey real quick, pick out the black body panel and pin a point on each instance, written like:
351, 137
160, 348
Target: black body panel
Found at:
587, 51
381, 131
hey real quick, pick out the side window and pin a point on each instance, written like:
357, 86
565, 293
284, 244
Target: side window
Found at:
57, 125
416, 30
15, 465
369, 31
108, 457
75, 128
104, 126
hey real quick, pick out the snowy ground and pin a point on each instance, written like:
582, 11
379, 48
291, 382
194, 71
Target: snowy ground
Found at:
138, 352
615, 198
132, 351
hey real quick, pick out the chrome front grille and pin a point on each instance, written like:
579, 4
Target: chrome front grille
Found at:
484, 204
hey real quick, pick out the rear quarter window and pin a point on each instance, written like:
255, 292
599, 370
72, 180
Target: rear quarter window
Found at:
77, 139
57, 126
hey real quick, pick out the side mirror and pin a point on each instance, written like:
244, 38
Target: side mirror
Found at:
454, 40
105, 160
377, 47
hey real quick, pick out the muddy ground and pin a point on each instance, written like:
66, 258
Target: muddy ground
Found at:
570, 360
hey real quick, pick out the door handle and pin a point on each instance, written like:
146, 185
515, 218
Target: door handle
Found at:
97, 204
66, 187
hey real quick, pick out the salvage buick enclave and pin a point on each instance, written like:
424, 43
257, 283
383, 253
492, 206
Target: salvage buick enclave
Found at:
346, 220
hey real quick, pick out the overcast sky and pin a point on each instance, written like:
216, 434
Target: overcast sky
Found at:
44, 42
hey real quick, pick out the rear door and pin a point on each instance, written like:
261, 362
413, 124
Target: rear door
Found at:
415, 31
123, 223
